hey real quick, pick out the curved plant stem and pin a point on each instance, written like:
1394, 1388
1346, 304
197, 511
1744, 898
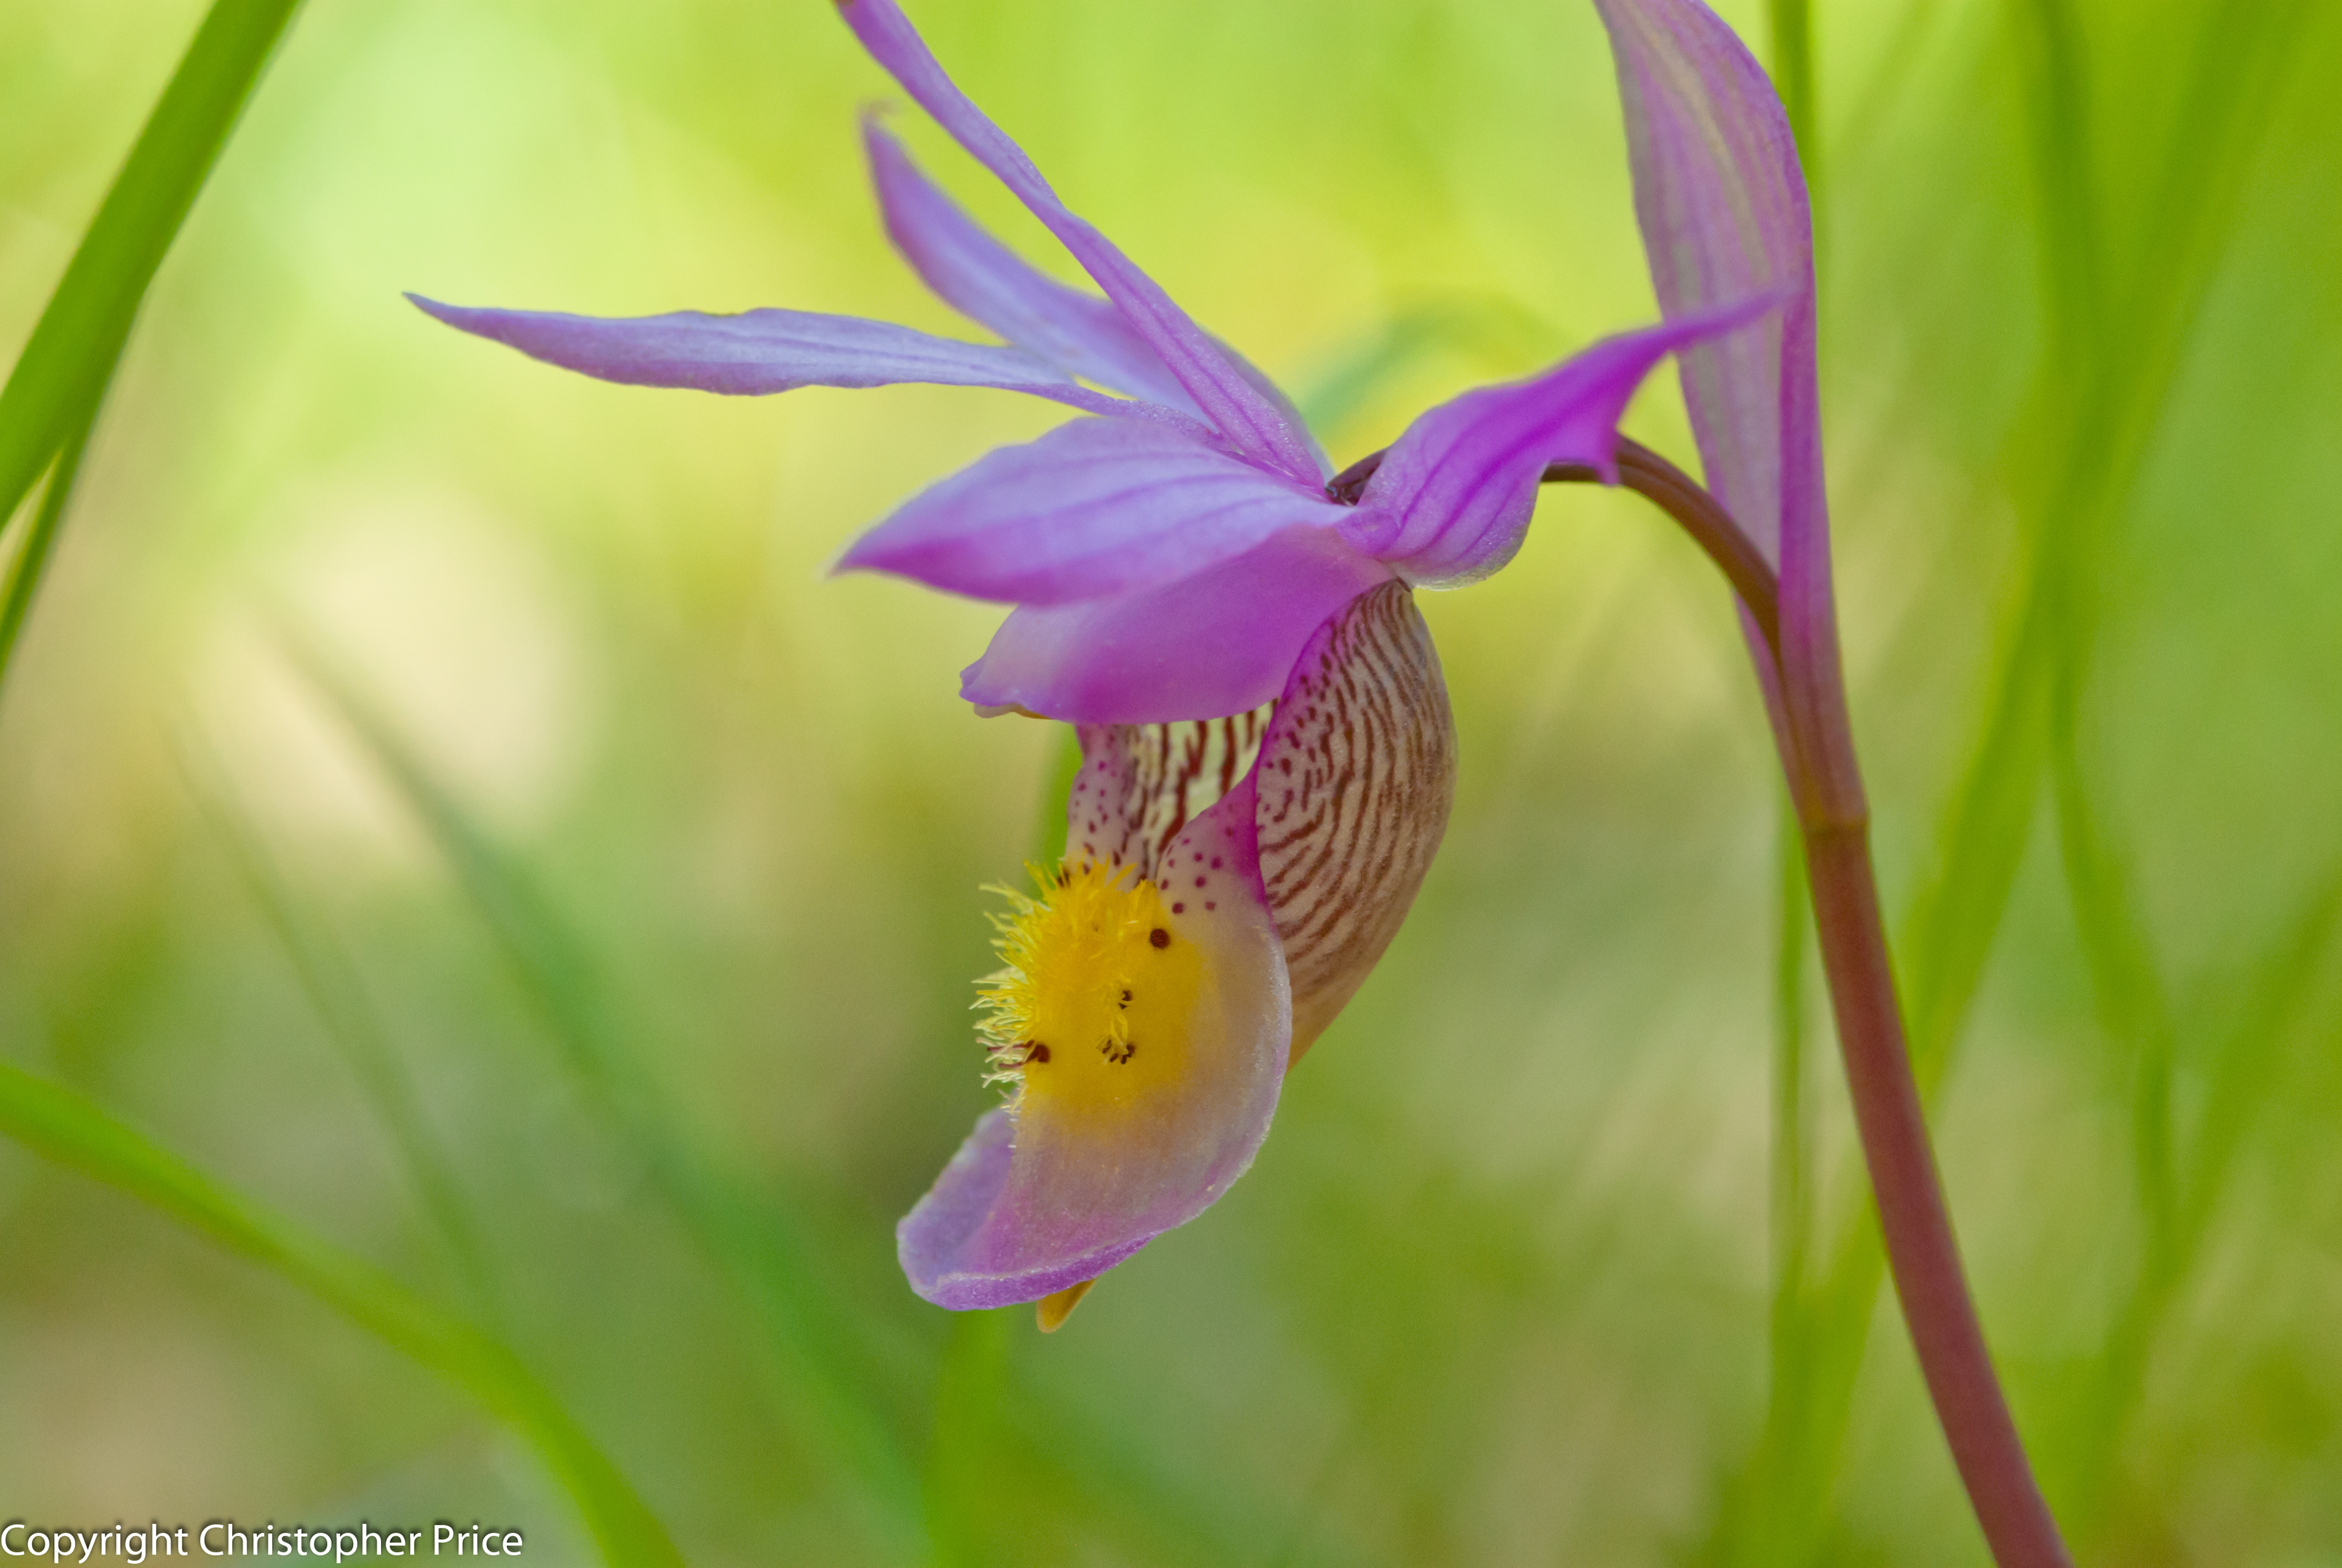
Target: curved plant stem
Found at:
1677, 494
1702, 516
1921, 1249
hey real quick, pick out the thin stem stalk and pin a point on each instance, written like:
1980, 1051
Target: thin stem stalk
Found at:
1676, 494
1922, 1251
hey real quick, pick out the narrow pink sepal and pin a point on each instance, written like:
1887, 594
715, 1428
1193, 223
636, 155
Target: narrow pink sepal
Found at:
759, 352
992, 286
1723, 208
1724, 211
1219, 642
1252, 422
1455, 494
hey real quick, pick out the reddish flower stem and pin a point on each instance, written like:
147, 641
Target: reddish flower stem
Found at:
1921, 1250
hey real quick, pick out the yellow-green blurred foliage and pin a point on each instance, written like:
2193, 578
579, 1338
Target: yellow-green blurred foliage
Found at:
1498, 1290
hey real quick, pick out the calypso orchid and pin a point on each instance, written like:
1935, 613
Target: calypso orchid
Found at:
1267, 753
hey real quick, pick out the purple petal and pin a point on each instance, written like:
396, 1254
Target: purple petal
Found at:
992, 286
1220, 641
1252, 422
766, 351
1094, 508
1723, 213
1454, 496
1046, 1195
989, 284
937, 1239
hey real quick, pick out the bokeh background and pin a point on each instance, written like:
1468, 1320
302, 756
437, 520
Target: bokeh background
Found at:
444, 801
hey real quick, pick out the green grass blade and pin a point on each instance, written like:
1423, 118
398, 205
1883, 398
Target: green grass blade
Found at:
1349, 378
2245, 1075
1793, 77
1064, 761
2217, 129
1342, 387
331, 983
1948, 935
964, 1447
1860, 127
1756, 1520
1792, 1149
833, 1370
2055, 89
2132, 1006
62, 372
2244, 1079
2242, 56
63, 1127
2214, 132
31, 561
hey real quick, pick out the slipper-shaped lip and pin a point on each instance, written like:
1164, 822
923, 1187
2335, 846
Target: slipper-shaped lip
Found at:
1038, 1199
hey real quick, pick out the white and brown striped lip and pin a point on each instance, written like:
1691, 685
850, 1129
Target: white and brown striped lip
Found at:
1353, 769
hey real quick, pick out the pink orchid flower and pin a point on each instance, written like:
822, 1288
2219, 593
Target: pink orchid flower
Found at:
1268, 751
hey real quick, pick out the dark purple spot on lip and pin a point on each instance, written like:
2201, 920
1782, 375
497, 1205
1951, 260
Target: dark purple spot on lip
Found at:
1177, 909
1160, 937
1216, 863
1200, 881
1208, 904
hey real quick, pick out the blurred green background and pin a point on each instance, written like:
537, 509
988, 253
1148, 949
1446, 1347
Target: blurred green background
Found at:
443, 800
